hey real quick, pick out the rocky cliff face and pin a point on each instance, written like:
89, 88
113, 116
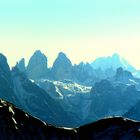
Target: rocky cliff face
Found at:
6, 83
123, 75
62, 67
18, 125
37, 67
84, 74
4, 68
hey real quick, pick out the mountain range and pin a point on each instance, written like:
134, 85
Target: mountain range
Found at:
67, 95
37, 88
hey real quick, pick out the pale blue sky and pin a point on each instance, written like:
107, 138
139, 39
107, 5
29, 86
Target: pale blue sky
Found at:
84, 29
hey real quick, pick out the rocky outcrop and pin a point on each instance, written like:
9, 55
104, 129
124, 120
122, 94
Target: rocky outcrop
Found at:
62, 67
123, 75
84, 74
21, 65
37, 66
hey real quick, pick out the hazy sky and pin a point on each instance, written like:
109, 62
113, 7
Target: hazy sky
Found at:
83, 29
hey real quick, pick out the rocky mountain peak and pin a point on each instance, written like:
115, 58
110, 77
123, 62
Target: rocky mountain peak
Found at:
123, 74
62, 59
37, 66
62, 55
62, 67
115, 55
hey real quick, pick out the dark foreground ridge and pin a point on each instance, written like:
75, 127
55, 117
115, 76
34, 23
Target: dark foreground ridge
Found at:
17, 125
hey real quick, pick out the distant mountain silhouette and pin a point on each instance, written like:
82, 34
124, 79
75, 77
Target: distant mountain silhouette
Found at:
115, 61
85, 73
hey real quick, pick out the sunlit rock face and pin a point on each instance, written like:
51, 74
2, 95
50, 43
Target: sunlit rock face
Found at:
62, 67
37, 66
21, 65
69, 95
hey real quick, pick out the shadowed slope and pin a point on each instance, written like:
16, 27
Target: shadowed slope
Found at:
16, 124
